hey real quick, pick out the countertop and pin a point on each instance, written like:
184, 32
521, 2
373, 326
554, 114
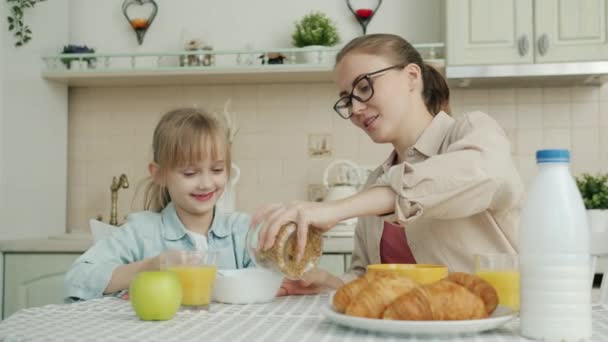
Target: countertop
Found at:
80, 242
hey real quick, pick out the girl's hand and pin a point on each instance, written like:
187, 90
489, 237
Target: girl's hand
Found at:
322, 216
313, 283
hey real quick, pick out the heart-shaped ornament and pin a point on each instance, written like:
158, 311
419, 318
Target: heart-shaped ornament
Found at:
363, 12
140, 14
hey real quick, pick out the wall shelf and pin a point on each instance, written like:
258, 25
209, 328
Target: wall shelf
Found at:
228, 67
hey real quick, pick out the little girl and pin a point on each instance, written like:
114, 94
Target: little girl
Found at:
188, 174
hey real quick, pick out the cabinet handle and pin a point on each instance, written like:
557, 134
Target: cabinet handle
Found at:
523, 45
543, 44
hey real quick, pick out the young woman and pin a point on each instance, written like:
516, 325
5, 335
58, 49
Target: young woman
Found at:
189, 172
447, 191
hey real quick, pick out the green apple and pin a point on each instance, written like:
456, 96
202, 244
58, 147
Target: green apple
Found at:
155, 295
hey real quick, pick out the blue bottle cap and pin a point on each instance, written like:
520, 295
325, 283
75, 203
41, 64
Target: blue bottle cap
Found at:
552, 156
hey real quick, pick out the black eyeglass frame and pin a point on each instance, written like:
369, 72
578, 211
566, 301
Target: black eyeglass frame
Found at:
352, 96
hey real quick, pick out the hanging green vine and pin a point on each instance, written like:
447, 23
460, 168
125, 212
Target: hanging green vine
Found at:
22, 34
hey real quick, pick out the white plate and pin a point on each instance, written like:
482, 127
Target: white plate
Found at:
499, 317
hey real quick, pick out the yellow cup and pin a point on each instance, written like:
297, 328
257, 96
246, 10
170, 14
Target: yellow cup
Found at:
502, 272
421, 273
196, 272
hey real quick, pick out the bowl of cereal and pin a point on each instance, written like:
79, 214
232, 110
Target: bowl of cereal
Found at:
246, 286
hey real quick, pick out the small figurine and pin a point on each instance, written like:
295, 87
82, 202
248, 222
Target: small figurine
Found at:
273, 58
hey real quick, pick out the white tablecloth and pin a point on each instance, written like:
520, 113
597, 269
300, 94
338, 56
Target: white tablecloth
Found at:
295, 318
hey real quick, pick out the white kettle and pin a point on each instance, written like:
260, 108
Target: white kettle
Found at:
346, 182
227, 202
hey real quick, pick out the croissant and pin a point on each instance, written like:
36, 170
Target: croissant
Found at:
384, 289
346, 294
478, 286
442, 300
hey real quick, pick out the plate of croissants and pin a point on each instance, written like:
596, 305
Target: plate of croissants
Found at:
393, 303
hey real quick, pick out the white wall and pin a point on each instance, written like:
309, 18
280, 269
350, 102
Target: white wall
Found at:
232, 24
33, 128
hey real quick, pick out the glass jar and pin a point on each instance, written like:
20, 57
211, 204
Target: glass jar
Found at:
281, 257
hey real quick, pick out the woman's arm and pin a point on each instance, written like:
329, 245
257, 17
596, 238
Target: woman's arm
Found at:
475, 174
321, 215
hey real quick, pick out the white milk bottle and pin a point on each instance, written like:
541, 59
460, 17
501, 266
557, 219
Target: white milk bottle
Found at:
554, 259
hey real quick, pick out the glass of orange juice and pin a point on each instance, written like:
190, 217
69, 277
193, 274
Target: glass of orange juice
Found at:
196, 272
501, 271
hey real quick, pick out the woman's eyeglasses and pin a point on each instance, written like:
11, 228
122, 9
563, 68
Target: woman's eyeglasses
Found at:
363, 90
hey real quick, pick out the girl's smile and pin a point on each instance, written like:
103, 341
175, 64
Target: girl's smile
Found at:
204, 197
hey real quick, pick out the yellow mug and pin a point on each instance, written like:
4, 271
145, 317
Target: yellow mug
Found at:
421, 273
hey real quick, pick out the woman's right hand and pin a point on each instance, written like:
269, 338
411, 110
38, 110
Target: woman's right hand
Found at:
322, 216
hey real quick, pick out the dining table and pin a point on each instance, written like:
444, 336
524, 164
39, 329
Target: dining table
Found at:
291, 318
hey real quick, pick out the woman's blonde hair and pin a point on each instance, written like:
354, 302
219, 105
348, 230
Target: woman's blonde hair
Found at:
436, 93
182, 137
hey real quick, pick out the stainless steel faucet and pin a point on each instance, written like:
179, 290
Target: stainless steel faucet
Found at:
121, 182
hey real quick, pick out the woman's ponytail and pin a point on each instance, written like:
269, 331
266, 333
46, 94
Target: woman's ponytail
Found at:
436, 93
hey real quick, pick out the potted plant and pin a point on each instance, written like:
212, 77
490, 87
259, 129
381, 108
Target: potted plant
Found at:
68, 49
315, 30
594, 190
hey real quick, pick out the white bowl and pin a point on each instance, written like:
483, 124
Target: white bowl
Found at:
245, 286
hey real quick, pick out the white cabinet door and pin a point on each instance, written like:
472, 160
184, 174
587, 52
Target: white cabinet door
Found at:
32, 280
334, 263
489, 32
571, 30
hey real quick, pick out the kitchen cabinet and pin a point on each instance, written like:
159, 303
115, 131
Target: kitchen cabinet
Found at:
34, 279
336, 263
525, 31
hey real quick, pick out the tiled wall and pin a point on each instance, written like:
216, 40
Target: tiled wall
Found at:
110, 132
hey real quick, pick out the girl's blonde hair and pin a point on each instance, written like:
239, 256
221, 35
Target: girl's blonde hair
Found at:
436, 93
182, 137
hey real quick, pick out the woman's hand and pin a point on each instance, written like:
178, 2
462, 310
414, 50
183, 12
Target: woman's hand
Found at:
322, 216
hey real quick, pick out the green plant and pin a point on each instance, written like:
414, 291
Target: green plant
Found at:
80, 50
22, 34
594, 190
315, 28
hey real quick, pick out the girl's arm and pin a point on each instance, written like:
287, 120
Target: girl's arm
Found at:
124, 274
104, 268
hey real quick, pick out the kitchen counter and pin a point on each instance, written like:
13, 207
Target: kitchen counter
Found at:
79, 242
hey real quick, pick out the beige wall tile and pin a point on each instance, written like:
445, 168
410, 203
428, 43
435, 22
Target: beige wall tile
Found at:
529, 115
529, 95
556, 95
529, 141
604, 92
585, 150
475, 97
556, 138
110, 132
604, 114
585, 114
505, 114
502, 96
585, 94
556, 115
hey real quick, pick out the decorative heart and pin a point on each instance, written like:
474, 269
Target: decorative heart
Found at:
364, 15
140, 23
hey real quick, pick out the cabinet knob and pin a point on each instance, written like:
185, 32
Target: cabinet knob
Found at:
523, 45
543, 44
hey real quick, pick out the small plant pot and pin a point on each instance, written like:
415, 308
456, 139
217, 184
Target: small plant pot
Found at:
598, 226
312, 57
